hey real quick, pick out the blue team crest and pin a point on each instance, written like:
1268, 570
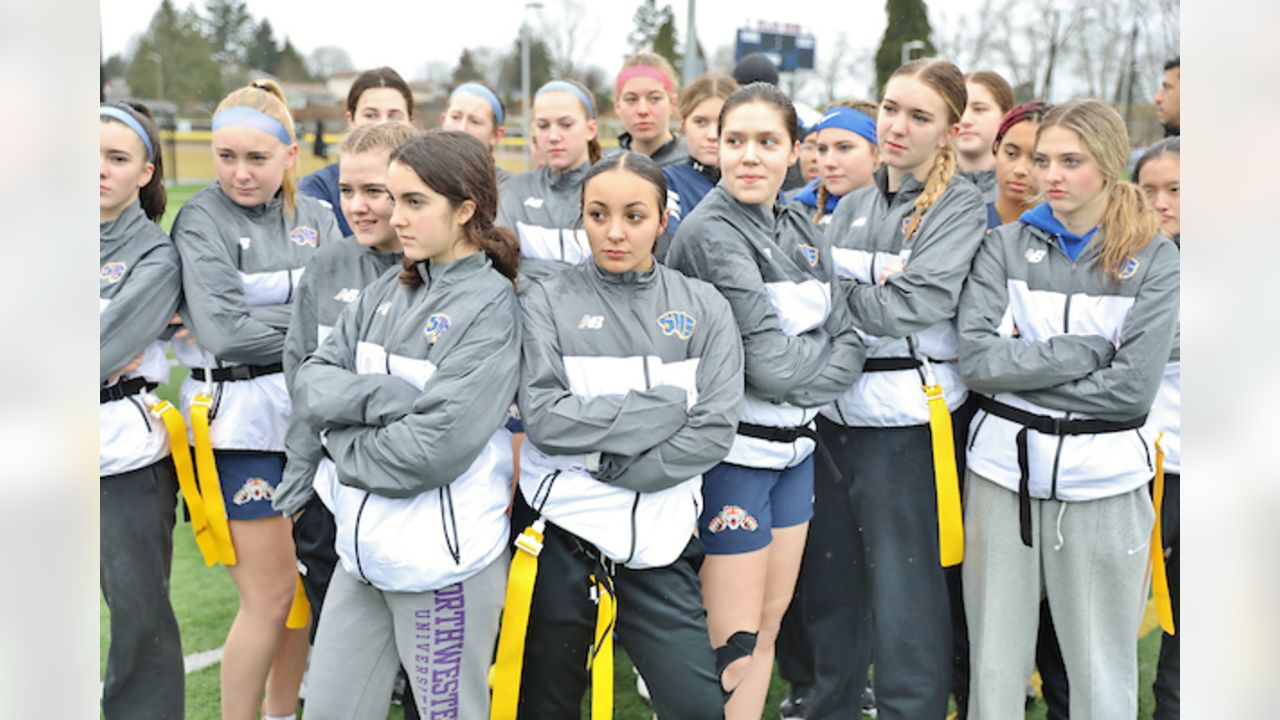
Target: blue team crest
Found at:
678, 323
436, 326
304, 236
810, 253
1129, 268
112, 272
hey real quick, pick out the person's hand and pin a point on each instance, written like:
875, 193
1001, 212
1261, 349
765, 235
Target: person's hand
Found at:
182, 332
129, 367
891, 267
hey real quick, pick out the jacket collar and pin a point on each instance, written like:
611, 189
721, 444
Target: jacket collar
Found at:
640, 278
710, 172
124, 226
909, 189
274, 205
442, 275
566, 179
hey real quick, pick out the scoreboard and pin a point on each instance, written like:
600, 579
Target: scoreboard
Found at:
788, 46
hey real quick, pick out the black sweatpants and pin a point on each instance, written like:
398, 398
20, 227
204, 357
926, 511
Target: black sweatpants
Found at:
885, 598
1166, 684
661, 625
144, 663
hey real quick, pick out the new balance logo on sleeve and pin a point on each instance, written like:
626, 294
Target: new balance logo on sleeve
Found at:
533, 202
347, 295
591, 322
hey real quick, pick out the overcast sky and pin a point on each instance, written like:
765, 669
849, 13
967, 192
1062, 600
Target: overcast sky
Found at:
417, 33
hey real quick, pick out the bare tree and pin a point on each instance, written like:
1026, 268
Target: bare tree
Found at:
570, 34
966, 40
329, 59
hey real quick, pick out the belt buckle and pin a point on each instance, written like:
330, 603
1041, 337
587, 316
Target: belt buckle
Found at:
1057, 426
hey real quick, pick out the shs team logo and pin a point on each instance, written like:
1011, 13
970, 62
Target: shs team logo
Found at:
732, 517
677, 323
436, 326
304, 236
253, 489
1129, 268
810, 253
112, 272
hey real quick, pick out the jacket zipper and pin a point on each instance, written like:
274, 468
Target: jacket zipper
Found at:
446, 521
1143, 439
146, 422
356, 539
1066, 329
635, 505
978, 428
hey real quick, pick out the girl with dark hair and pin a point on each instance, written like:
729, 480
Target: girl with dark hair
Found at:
543, 206
334, 279
411, 390
244, 244
801, 351
377, 95
1066, 324
139, 285
478, 111
631, 381
1158, 174
906, 242
990, 97
1015, 185
688, 182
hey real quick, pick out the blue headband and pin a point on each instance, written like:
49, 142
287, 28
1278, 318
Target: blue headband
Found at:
250, 118
483, 93
562, 86
132, 123
849, 119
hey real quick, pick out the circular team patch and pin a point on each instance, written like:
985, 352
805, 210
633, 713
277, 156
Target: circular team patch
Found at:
112, 272
304, 236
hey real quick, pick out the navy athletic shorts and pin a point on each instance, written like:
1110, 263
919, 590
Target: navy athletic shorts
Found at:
249, 481
741, 505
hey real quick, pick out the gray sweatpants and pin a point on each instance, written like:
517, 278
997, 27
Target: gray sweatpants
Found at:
444, 638
1090, 560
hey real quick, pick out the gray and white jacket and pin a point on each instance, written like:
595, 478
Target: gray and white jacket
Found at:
544, 208
1165, 418
630, 389
800, 347
334, 279
986, 182
240, 272
411, 389
1059, 338
914, 307
139, 287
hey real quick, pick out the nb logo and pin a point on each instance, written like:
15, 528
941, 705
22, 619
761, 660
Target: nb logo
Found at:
859, 222
1035, 255
591, 322
678, 323
384, 308
533, 202
347, 295
245, 243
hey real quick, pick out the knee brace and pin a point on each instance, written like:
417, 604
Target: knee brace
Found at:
739, 645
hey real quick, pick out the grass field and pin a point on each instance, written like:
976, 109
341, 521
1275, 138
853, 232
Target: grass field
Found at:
205, 602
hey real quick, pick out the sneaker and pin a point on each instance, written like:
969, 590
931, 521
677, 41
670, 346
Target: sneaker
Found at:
641, 689
795, 705
869, 702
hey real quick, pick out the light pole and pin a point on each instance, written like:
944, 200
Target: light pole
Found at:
524, 77
691, 67
908, 46
155, 58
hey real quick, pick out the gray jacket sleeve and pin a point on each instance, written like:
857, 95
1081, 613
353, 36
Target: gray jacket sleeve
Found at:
844, 363
140, 311
457, 412
301, 441
927, 291
777, 366
559, 422
215, 310
991, 362
1127, 386
707, 433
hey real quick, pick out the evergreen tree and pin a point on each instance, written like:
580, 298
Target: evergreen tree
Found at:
539, 67
228, 27
648, 20
666, 43
908, 20
290, 65
467, 71
187, 69
263, 52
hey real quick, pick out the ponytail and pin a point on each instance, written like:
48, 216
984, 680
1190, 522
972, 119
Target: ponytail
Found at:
822, 203
267, 96
503, 248
1128, 225
935, 184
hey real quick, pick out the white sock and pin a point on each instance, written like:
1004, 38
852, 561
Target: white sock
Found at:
290, 716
